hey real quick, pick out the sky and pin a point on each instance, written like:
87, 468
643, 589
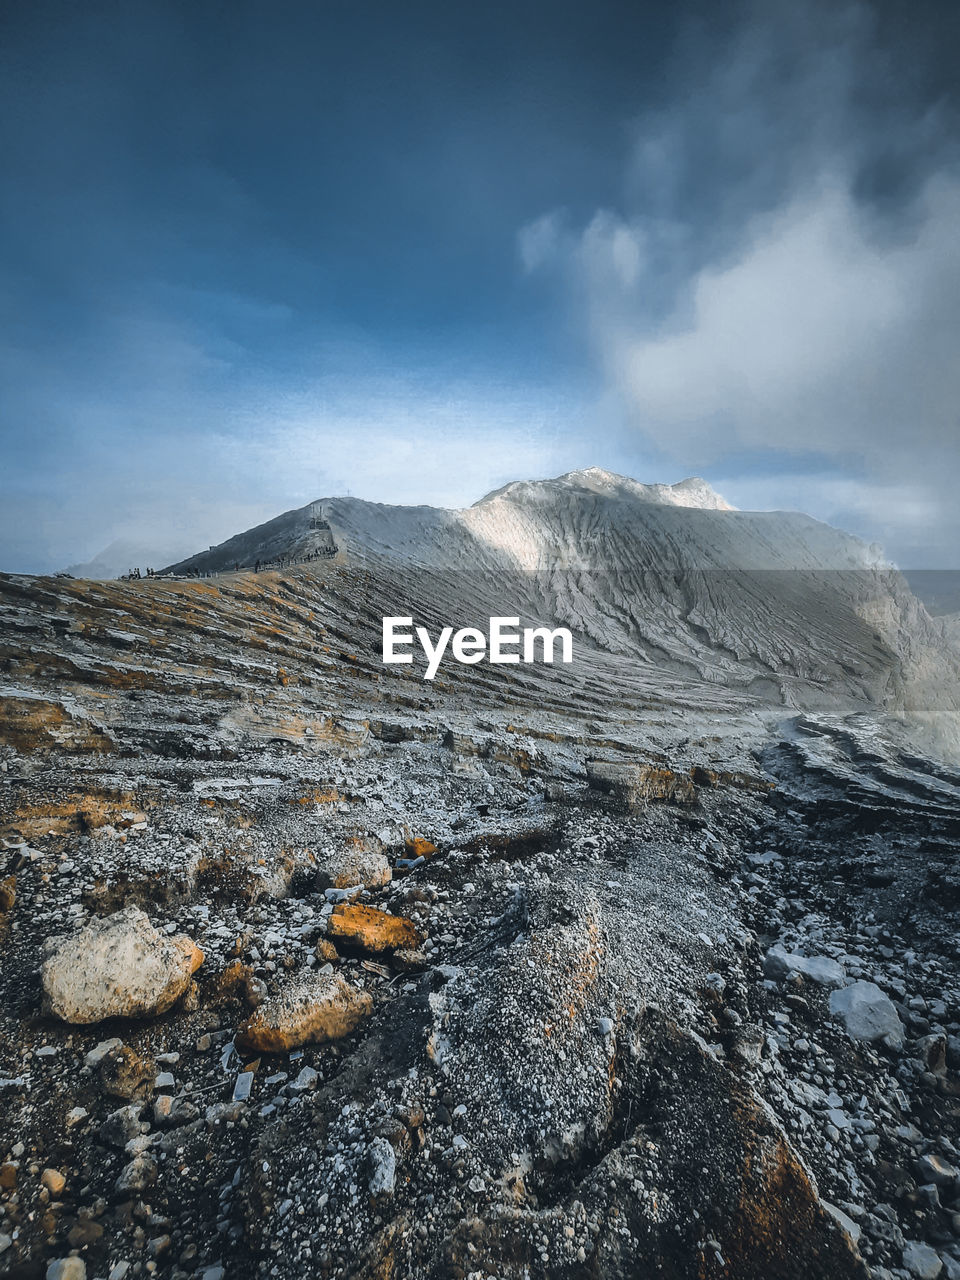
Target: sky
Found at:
253, 254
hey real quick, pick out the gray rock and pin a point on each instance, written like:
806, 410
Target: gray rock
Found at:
383, 1167
103, 1050
356, 864
67, 1269
122, 1125
934, 1168
844, 1222
139, 1174
307, 1079
183, 1112
780, 963
882, 1229
867, 1013
921, 1261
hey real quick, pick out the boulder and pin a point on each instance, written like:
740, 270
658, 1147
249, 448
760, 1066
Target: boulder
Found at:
360, 861
867, 1013
311, 1010
632, 785
921, 1261
780, 963
372, 930
119, 966
933, 1168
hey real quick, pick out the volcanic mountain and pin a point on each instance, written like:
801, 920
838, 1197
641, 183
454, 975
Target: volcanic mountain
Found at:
670, 576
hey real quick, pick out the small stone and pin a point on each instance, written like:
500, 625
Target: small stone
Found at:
184, 1112
53, 1180
75, 1116
139, 1174
105, 1047
83, 1233
382, 1163
843, 1221
67, 1269
162, 1108
125, 1074
121, 1125
158, 1246
307, 1079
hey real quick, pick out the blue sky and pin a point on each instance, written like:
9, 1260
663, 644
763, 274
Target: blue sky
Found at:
254, 254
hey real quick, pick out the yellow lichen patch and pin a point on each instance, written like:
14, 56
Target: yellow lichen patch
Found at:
420, 847
75, 813
39, 724
371, 930
8, 894
329, 796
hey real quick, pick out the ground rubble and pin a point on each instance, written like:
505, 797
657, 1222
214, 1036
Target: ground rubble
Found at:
579, 1064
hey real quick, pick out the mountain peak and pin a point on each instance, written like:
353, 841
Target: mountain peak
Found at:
691, 492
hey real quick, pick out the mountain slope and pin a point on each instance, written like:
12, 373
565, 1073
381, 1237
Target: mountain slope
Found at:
671, 577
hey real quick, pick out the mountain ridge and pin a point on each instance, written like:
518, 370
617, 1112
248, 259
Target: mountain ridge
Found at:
542, 523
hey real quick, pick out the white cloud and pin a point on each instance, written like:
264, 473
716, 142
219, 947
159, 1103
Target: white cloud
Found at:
817, 336
783, 276
539, 242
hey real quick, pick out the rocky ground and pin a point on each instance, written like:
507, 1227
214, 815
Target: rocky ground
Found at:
308, 970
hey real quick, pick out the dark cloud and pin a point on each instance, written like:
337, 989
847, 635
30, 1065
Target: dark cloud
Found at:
783, 272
